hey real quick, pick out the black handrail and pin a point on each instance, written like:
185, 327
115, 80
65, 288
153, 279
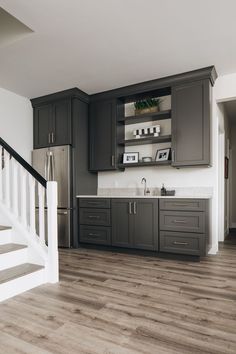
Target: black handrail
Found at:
23, 163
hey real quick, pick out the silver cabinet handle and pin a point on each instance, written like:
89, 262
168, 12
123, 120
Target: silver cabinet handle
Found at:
173, 155
180, 243
130, 207
113, 160
49, 138
53, 138
181, 205
94, 217
180, 221
62, 213
93, 235
135, 208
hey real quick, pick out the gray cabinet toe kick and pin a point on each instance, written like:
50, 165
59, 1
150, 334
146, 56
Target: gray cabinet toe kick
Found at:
177, 226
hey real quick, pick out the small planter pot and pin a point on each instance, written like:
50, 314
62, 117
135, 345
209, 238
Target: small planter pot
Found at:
146, 110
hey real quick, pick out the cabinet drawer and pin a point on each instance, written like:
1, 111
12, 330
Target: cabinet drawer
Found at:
182, 243
95, 234
94, 216
182, 221
94, 203
183, 204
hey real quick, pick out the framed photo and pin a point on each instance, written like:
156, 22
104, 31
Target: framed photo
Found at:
163, 155
130, 157
226, 167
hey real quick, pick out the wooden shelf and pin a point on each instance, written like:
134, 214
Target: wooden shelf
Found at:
141, 164
148, 140
146, 117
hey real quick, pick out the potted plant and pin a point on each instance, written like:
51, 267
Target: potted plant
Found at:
148, 105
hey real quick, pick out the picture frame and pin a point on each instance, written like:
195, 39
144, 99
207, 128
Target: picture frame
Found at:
130, 157
163, 155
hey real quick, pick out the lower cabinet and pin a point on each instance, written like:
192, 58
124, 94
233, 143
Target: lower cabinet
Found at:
178, 226
135, 223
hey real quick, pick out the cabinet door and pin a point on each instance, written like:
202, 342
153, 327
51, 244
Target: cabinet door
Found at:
145, 232
62, 123
103, 135
191, 124
122, 223
43, 125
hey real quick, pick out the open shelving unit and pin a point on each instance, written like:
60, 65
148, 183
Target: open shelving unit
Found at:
147, 117
124, 120
148, 140
142, 164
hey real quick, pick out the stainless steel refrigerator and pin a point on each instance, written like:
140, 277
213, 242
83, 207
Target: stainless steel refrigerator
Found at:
54, 164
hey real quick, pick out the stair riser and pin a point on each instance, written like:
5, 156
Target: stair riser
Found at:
22, 284
5, 237
14, 258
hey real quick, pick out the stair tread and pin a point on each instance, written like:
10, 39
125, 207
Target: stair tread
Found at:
10, 247
2, 228
18, 271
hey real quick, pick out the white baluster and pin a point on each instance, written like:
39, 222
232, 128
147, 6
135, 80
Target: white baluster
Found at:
15, 189
23, 211
1, 166
7, 178
53, 266
41, 195
32, 204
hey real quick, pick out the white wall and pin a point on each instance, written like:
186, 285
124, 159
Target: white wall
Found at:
16, 122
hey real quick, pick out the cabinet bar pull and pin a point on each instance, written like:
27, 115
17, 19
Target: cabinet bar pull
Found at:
53, 138
180, 221
173, 155
130, 208
113, 160
49, 138
180, 243
181, 205
93, 235
135, 208
94, 217
94, 202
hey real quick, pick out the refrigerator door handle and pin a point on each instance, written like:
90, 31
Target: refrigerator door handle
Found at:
52, 165
46, 166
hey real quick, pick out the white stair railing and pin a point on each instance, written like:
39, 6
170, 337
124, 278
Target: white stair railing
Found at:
21, 190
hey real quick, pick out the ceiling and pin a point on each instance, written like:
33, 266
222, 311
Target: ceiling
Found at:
98, 45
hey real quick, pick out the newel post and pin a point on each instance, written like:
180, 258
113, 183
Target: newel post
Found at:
53, 264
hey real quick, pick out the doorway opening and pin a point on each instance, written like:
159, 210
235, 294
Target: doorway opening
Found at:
227, 171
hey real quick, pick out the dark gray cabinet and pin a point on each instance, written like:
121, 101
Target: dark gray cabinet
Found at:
191, 124
184, 226
135, 223
122, 220
52, 124
104, 132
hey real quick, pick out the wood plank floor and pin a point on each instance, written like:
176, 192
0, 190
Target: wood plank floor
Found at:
118, 303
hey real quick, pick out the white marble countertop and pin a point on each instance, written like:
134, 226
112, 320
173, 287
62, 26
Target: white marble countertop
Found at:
145, 196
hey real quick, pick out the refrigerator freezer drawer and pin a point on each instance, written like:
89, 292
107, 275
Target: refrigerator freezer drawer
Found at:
64, 226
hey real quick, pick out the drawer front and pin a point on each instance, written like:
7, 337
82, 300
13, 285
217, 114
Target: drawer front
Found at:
98, 217
94, 203
182, 221
182, 243
95, 234
183, 204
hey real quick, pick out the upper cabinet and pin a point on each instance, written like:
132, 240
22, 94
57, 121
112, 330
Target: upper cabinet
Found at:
191, 124
104, 151
52, 124
179, 108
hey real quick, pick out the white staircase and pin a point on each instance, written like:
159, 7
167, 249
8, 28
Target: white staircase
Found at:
27, 260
